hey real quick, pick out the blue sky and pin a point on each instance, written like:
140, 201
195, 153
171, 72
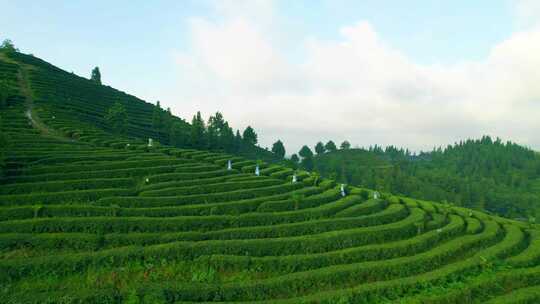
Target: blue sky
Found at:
137, 45
429, 31
109, 32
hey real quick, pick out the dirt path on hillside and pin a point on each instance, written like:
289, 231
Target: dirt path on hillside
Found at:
30, 113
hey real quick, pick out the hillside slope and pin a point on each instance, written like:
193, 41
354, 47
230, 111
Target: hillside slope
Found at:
97, 218
77, 107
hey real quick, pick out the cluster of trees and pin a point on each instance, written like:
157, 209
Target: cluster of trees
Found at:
162, 120
214, 134
304, 158
8, 46
484, 174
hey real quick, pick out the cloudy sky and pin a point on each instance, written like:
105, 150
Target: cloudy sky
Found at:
416, 74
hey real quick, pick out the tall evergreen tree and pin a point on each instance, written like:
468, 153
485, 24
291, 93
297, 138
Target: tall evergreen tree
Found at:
249, 135
220, 135
319, 148
96, 75
279, 149
307, 158
216, 126
238, 141
330, 146
227, 138
212, 134
305, 152
198, 132
295, 158
345, 145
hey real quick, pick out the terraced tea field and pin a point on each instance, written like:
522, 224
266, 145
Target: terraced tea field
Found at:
87, 217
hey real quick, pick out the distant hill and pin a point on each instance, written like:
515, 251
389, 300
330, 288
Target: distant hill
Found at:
483, 174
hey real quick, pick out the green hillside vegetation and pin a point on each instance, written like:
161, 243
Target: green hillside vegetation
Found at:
90, 213
484, 174
62, 99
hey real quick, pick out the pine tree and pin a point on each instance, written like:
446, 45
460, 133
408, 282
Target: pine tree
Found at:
227, 138
345, 145
216, 125
249, 135
307, 158
96, 75
279, 149
238, 141
198, 132
319, 148
305, 152
220, 135
330, 146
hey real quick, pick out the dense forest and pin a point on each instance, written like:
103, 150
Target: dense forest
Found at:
485, 174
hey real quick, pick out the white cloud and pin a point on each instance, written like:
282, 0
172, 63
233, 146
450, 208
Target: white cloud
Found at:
527, 12
357, 87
